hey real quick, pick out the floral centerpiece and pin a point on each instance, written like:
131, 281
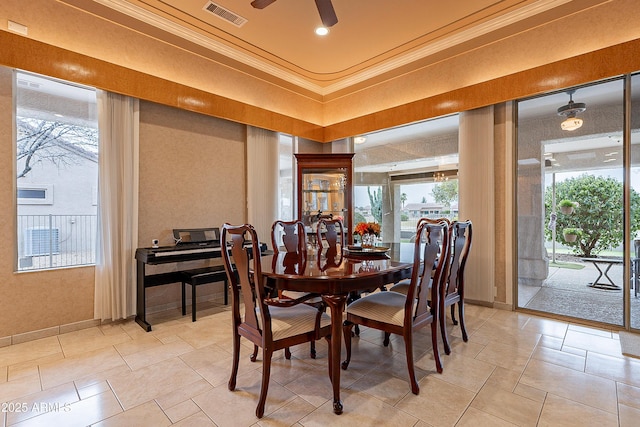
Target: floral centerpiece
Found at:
367, 232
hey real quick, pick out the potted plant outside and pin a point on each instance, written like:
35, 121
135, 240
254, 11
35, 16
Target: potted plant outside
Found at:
567, 206
571, 234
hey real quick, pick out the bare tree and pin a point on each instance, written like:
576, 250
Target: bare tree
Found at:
57, 142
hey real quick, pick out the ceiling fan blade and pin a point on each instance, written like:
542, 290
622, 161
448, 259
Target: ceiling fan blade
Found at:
327, 14
261, 4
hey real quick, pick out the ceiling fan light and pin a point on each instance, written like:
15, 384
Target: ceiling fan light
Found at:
570, 111
322, 31
571, 123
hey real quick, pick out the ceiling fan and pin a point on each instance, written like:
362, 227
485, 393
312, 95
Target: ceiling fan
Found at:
325, 9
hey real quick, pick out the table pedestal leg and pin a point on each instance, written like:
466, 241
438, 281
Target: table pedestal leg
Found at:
336, 304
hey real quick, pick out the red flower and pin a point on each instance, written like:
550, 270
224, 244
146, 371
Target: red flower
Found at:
367, 228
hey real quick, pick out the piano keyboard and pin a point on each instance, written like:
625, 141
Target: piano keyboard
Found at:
186, 251
190, 251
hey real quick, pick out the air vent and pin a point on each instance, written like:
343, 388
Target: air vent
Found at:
225, 14
41, 241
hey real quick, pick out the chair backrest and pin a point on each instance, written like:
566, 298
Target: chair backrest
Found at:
332, 232
245, 276
433, 221
291, 233
430, 221
461, 235
430, 247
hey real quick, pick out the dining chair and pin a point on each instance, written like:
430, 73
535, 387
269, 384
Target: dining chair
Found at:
269, 323
453, 288
403, 285
396, 313
289, 238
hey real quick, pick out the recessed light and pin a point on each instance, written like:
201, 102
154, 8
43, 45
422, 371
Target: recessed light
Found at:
359, 139
322, 31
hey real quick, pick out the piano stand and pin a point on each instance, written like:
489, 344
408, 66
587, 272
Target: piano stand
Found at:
177, 254
147, 281
202, 276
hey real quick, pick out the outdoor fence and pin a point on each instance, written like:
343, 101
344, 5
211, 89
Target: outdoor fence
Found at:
54, 241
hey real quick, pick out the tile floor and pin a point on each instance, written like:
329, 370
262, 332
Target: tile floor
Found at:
516, 369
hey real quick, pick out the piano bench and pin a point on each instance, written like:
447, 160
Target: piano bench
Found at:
202, 276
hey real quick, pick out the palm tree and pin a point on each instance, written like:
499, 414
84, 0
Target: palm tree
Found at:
403, 199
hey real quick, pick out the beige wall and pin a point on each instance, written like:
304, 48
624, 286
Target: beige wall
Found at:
192, 175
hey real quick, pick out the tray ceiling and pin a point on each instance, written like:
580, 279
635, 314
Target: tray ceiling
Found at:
373, 39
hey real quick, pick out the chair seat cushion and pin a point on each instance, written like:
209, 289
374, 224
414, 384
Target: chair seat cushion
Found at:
290, 321
401, 287
387, 307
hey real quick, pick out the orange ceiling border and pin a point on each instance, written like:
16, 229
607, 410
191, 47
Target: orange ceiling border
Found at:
600, 64
35, 56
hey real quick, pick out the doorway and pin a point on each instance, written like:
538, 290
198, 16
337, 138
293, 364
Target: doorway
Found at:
571, 204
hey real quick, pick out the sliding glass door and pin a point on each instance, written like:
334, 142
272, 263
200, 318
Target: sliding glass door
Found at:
634, 137
570, 203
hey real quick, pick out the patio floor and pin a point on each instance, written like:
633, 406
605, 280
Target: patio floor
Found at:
566, 292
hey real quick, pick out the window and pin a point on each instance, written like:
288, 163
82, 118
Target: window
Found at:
56, 147
406, 173
35, 195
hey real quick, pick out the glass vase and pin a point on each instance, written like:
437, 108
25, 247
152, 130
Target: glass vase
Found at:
368, 240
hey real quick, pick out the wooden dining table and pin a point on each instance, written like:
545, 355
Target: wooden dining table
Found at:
335, 275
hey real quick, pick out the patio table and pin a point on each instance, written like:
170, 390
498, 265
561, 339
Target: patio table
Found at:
607, 263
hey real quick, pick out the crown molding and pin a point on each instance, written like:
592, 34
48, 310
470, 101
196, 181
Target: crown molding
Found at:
171, 27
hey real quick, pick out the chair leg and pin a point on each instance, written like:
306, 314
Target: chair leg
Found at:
254, 356
463, 328
184, 299
235, 362
266, 372
385, 342
434, 343
346, 331
287, 353
408, 348
226, 292
193, 303
442, 320
312, 350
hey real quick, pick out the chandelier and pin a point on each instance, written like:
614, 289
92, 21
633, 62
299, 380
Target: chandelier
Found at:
440, 177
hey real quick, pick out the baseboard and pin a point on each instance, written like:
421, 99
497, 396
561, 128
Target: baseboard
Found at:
503, 306
48, 332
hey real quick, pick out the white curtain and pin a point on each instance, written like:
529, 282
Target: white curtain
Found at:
262, 180
115, 280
